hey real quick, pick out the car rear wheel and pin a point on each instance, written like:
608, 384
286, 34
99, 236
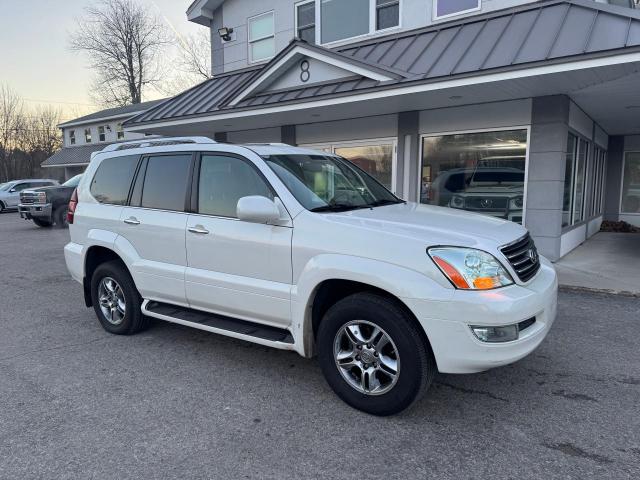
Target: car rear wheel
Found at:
2, 207
60, 217
373, 355
116, 300
42, 223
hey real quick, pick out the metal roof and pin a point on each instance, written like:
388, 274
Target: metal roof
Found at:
533, 34
80, 155
127, 110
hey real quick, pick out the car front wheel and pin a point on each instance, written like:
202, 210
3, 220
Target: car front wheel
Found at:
373, 354
116, 300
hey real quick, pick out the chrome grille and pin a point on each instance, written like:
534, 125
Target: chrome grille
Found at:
30, 198
486, 203
523, 257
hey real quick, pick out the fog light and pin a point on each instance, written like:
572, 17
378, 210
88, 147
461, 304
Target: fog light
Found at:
508, 333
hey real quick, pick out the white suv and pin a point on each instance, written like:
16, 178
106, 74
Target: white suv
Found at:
301, 250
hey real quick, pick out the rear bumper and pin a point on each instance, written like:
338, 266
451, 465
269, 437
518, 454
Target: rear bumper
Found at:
29, 211
454, 345
74, 258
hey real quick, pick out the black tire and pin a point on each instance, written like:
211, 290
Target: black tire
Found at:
133, 321
42, 223
417, 364
60, 217
2, 207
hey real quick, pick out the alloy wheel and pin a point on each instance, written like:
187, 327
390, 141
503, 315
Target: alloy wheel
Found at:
366, 357
112, 301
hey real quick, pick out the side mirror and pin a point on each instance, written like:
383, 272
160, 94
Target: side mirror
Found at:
13, 190
257, 209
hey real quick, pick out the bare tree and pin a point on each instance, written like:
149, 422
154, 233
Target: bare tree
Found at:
123, 42
11, 123
195, 55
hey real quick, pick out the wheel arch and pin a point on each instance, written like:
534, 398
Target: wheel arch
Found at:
96, 255
328, 280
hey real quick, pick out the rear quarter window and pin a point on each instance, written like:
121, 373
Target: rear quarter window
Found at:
112, 180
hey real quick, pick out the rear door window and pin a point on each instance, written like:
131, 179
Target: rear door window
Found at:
166, 182
112, 181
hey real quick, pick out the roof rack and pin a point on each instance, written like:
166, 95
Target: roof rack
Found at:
273, 144
156, 142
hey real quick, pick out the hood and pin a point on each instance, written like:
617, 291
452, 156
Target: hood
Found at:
432, 225
50, 187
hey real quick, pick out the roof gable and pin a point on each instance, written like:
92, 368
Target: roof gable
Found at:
303, 65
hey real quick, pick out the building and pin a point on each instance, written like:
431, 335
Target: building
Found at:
525, 110
85, 135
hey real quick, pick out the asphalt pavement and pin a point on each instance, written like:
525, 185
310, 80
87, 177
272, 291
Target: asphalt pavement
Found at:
172, 402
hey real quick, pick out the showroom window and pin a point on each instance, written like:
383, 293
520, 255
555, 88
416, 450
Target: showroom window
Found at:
262, 42
596, 181
343, 19
449, 8
376, 157
482, 172
631, 183
306, 21
574, 180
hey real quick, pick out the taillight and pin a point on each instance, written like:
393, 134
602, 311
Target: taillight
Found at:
73, 203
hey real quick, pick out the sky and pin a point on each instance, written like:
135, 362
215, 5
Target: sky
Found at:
35, 59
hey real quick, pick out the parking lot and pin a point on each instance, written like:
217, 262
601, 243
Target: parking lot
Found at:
77, 402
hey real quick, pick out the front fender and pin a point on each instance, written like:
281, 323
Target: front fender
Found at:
398, 281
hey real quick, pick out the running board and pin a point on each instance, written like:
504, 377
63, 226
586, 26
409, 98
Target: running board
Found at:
211, 322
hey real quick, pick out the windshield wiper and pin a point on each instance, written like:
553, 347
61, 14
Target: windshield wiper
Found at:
380, 203
338, 207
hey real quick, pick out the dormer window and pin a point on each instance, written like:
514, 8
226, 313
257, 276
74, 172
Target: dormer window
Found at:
72, 137
449, 8
102, 136
87, 135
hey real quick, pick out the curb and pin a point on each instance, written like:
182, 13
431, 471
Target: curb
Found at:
603, 291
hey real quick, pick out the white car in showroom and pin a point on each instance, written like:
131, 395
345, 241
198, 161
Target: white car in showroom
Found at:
301, 250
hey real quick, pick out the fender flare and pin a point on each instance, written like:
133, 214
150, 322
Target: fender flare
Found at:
401, 282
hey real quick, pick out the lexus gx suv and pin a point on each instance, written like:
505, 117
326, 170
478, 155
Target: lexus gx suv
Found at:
301, 250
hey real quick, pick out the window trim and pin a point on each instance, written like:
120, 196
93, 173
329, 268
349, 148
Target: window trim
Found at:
195, 182
250, 41
434, 10
525, 191
368, 142
373, 32
295, 18
624, 164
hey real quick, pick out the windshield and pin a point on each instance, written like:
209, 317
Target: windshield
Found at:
73, 181
327, 183
5, 186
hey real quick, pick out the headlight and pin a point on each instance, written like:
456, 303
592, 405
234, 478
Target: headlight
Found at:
457, 202
517, 202
470, 269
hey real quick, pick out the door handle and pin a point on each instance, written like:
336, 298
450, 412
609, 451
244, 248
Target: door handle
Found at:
132, 221
198, 229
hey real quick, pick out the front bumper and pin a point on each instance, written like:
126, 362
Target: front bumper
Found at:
35, 210
447, 323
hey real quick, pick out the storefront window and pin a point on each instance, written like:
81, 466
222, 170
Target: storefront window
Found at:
631, 183
574, 181
480, 172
